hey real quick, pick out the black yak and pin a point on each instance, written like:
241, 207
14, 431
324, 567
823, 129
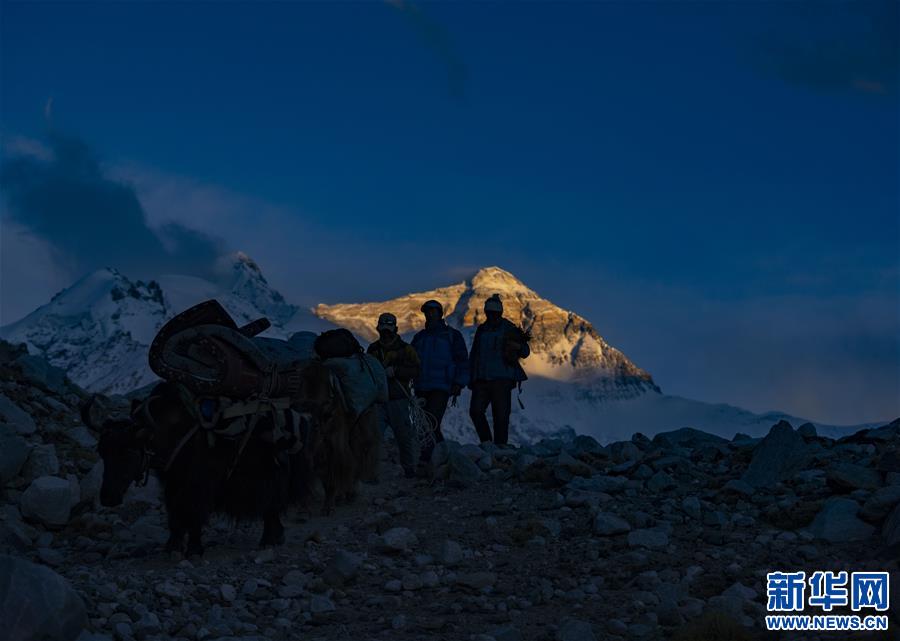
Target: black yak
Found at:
254, 477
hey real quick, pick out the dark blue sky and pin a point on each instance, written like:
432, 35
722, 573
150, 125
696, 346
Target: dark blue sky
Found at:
715, 185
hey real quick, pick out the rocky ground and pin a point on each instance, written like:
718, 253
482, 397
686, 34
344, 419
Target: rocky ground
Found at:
669, 538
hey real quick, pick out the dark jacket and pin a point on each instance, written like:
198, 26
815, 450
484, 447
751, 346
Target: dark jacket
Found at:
403, 358
444, 357
487, 363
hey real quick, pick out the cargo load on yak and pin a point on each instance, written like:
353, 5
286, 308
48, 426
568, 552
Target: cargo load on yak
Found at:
362, 377
227, 376
205, 351
303, 344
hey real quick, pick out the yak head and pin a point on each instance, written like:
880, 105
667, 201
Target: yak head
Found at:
123, 447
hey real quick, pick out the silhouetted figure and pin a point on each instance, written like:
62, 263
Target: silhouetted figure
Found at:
401, 365
496, 349
444, 365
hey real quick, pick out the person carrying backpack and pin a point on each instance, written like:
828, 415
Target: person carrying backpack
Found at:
444, 365
496, 349
401, 365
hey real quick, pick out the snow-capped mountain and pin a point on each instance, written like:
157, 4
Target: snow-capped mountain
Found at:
577, 381
564, 347
99, 329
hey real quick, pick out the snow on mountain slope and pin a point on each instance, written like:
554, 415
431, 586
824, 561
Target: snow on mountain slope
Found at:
564, 347
577, 381
99, 329
553, 407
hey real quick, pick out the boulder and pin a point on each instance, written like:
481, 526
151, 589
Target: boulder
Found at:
648, 538
624, 451
571, 465
80, 435
463, 470
14, 535
440, 455
45, 375
472, 451
660, 482
879, 504
778, 456
691, 506
15, 416
13, 453
686, 437
343, 568
846, 477
37, 603
599, 483
42, 461
506, 633
807, 430
838, 522
477, 580
398, 539
548, 447
584, 444
450, 553
607, 524
575, 630
47, 500
889, 462
737, 486
90, 484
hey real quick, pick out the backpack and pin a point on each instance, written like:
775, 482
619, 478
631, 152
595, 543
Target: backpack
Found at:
513, 340
336, 343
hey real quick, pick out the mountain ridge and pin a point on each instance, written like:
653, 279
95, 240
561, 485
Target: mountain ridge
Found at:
565, 346
99, 329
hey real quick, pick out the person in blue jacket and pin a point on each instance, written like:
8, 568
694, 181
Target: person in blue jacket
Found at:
496, 349
444, 369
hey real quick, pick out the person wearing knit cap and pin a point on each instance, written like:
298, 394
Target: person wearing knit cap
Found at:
401, 365
495, 371
444, 366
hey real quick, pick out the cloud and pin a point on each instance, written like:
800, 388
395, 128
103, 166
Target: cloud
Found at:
308, 262
438, 40
831, 358
846, 46
17, 145
30, 271
61, 194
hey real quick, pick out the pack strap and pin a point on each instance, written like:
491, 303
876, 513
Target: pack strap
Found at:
184, 440
244, 441
247, 408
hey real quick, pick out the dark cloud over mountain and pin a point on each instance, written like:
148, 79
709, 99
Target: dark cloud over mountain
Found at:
66, 199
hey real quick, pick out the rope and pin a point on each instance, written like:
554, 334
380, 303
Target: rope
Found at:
425, 423
247, 435
181, 444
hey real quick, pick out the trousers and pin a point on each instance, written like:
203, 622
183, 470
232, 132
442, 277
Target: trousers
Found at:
395, 414
497, 394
